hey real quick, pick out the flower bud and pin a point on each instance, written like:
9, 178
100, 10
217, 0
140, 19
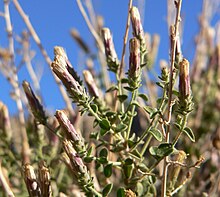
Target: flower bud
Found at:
34, 103
70, 131
44, 178
5, 123
79, 168
138, 31
93, 90
31, 181
184, 80
64, 71
134, 58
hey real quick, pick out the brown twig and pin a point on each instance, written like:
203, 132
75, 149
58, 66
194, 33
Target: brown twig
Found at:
44, 53
15, 85
174, 40
125, 40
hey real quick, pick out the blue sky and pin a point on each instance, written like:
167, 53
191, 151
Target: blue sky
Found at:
53, 20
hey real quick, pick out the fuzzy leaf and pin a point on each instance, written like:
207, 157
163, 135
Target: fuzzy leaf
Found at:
189, 133
112, 88
121, 192
103, 153
104, 124
143, 96
106, 191
108, 170
122, 97
156, 133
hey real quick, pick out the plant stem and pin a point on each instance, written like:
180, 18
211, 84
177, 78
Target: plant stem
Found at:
173, 55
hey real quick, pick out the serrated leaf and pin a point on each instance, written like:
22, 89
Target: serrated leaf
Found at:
106, 191
105, 124
103, 153
121, 192
122, 97
189, 133
143, 96
156, 133
112, 88
108, 170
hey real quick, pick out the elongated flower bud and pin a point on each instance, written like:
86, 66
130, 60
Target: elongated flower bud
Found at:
44, 178
138, 31
109, 45
93, 90
31, 181
184, 80
34, 103
134, 59
5, 123
79, 168
70, 131
64, 71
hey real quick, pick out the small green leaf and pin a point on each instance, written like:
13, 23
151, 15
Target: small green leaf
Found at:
122, 97
162, 150
102, 160
103, 153
175, 92
177, 125
129, 88
121, 192
94, 107
106, 191
189, 133
112, 88
140, 189
149, 109
103, 132
120, 127
160, 84
143, 96
88, 159
89, 152
105, 124
124, 80
108, 170
156, 133
136, 154
135, 103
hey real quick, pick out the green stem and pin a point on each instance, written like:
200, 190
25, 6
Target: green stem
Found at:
93, 191
134, 96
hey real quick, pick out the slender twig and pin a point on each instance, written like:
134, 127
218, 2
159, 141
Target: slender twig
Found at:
44, 53
5, 184
15, 85
173, 55
125, 40
90, 26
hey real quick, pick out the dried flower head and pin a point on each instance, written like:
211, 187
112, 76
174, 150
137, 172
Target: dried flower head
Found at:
92, 88
134, 59
184, 80
138, 31
34, 103
44, 179
31, 181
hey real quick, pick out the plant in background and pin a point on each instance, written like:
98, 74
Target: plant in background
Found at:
136, 142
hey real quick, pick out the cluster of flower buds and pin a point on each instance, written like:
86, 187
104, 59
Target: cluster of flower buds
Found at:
92, 88
134, 59
79, 169
34, 103
185, 98
110, 53
65, 72
138, 31
70, 132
